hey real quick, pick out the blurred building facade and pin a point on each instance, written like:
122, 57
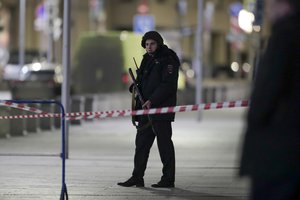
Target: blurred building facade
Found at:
176, 19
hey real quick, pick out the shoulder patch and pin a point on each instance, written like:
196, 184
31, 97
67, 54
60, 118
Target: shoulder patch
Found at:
170, 69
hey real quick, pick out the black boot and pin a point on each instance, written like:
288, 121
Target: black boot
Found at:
163, 184
138, 182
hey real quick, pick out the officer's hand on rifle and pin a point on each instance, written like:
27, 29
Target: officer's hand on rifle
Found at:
147, 105
131, 88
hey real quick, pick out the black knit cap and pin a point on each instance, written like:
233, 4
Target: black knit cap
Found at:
153, 35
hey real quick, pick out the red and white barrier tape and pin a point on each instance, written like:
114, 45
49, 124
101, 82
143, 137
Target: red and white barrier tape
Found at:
124, 113
21, 107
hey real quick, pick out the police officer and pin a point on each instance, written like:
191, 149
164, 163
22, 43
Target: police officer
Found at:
157, 80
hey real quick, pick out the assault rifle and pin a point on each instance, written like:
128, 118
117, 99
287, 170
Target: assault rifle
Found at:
139, 95
135, 85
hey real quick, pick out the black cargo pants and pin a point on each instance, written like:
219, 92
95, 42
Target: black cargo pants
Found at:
143, 143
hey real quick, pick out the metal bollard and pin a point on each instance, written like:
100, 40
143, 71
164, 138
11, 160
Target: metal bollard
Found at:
31, 124
46, 123
88, 105
56, 120
4, 124
17, 125
76, 107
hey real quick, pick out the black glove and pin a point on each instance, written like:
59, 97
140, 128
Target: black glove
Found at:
131, 87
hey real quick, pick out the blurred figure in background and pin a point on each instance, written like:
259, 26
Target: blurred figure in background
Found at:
271, 149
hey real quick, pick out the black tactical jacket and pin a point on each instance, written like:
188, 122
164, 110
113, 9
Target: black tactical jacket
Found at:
157, 79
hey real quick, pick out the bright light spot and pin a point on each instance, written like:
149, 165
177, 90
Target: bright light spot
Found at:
123, 35
24, 69
57, 69
190, 73
36, 66
235, 66
245, 20
257, 28
246, 67
185, 66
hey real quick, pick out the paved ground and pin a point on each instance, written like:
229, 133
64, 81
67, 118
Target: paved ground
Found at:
101, 154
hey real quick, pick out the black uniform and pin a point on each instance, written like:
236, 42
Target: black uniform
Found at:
157, 79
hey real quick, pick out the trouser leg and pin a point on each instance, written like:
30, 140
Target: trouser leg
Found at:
143, 143
166, 149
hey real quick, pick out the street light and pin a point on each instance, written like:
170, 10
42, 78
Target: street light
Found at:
245, 20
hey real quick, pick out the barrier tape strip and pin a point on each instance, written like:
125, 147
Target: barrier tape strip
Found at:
124, 113
20, 107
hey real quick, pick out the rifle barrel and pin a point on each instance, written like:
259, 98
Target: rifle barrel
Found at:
135, 63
